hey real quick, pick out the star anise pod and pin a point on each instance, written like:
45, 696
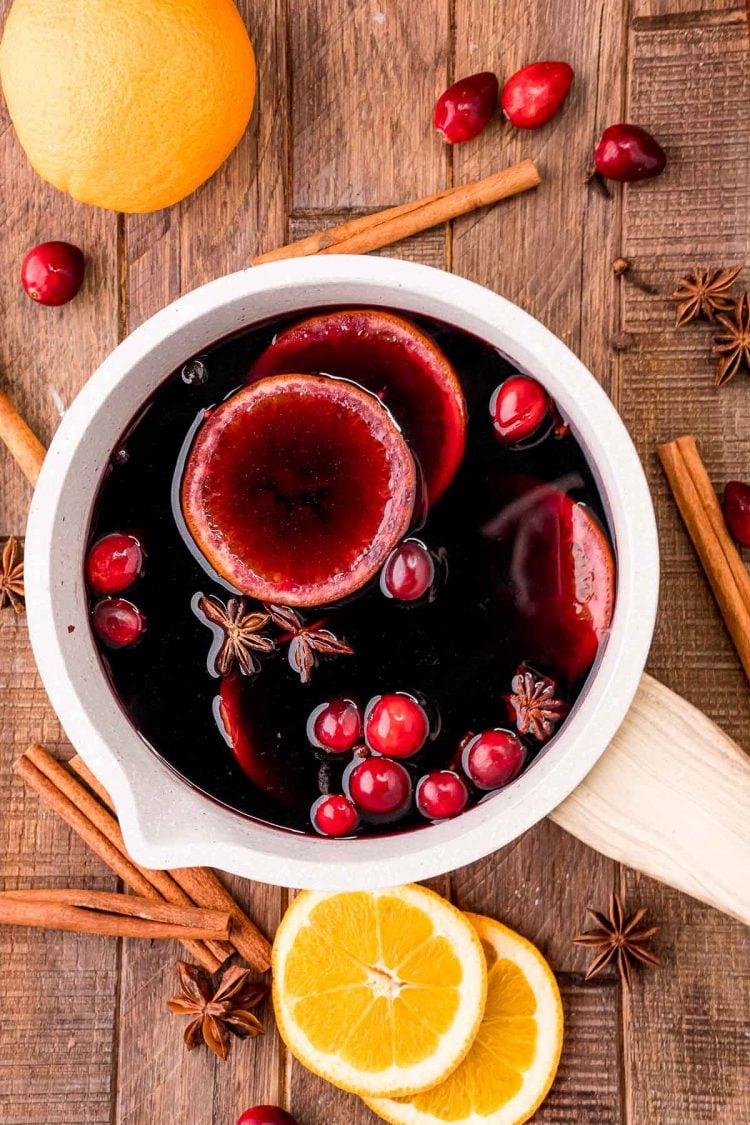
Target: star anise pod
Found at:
214, 1013
12, 591
705, 292
242, 634
307, 643
617, 937
733, 346
533, 705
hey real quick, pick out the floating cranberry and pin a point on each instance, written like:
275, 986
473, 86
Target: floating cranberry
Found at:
493, 758
519, 407
737, 511
396, 725
534, 94
380, 787
441, 794
409, 572
118, 623
334, 815
266, 1115
628, 153
52, 273
114, 563
335, 726
463, 111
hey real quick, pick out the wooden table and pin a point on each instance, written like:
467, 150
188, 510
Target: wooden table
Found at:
342, 126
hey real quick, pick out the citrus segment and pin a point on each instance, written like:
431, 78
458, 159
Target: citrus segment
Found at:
513, 1060
395, 360
380, 991
127, 104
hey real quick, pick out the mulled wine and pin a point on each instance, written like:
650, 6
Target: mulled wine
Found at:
349, 571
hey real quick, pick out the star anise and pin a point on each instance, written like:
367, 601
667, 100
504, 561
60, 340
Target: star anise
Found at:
214, 1013
618, 937
533, 705
307, 643
12, 591
242, 636
705, 292
733, 346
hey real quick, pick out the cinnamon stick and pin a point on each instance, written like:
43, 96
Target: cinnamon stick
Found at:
21, 441
123, 867
372, 232
214, 922
203, 887
699, 508
56, 914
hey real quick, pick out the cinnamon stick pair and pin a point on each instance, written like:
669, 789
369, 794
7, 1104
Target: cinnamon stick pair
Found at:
700, 509
89, 815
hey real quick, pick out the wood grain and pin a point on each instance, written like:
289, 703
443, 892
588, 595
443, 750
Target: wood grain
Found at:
343, 126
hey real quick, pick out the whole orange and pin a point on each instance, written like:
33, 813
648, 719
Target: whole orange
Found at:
127, 104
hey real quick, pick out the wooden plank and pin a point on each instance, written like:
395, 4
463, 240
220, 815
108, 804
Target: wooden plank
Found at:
687, 1046
365, 77
57, 999
46, 354
550, 252
238, 213
696, 213
686, 11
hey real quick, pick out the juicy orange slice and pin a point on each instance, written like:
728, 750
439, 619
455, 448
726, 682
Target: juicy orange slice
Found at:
514, 1058
382, 992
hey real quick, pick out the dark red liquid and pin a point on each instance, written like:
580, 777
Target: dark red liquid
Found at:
495, 607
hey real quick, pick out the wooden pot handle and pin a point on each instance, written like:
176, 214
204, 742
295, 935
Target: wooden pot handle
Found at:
670, 797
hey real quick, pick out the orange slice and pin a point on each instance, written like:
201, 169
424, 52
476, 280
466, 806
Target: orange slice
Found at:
513, 1060
380, 992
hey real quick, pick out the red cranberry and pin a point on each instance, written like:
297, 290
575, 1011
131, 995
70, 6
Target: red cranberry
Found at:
466, 107
441, 794
628, 153
380, 787
114, 563
737, 511
118, 623
533, 95
336, 725
334, 815
519, 407
493, 758
396, 725
409, 572
52, 273
266, 1115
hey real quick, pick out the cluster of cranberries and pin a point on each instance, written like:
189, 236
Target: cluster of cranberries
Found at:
378, 786
112, 565
530, 98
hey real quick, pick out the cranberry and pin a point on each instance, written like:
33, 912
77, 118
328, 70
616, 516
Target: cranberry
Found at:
52, 273
628, 153
396, 725
737, 511
118, 623
518, 408
441, 794
532, 96
336, 725
114, 563
493, 758
334, 815
266, 1115
409, 572
380, 787
466, 107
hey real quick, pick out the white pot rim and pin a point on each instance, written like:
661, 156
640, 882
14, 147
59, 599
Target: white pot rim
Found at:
165, 822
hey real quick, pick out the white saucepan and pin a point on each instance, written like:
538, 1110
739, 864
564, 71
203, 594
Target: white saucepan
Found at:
168, 824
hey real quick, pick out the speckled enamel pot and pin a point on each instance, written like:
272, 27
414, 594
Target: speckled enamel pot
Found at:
165, 822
